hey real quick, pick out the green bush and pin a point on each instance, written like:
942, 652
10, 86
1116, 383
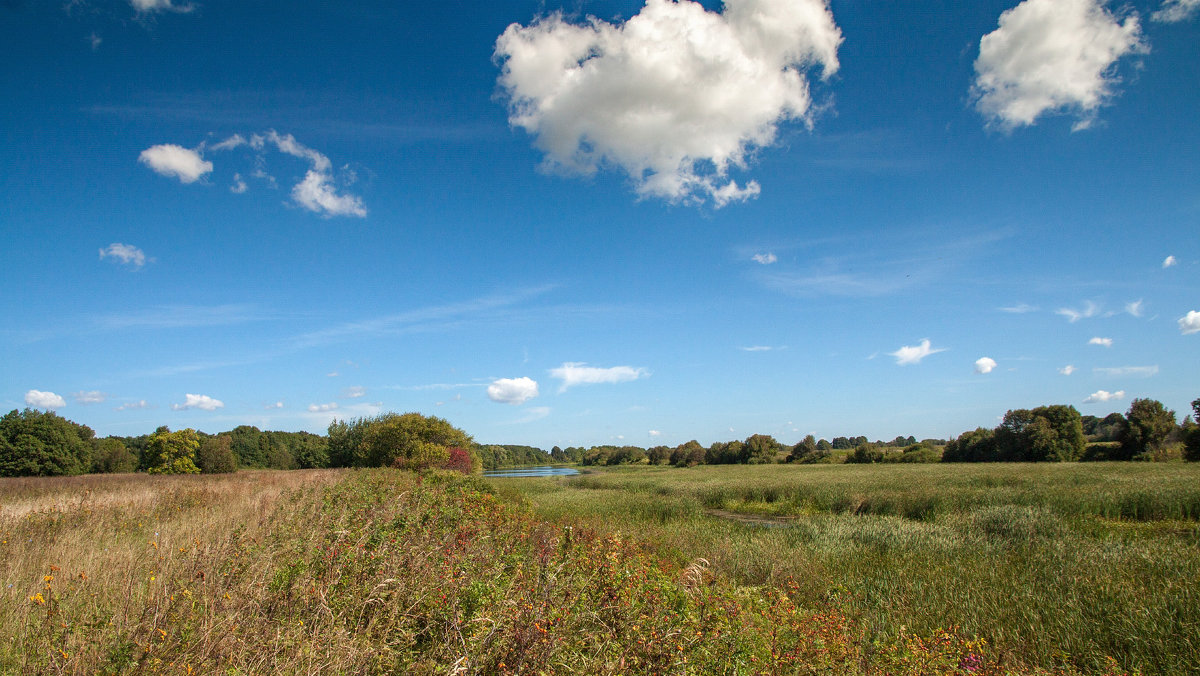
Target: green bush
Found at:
215, 455
112, 457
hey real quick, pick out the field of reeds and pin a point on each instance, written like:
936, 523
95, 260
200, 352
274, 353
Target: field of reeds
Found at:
1058, 565
387, 572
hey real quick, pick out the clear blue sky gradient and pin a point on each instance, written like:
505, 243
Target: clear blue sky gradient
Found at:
903, 214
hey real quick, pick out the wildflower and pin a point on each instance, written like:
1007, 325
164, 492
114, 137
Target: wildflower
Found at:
47, 578
37, 598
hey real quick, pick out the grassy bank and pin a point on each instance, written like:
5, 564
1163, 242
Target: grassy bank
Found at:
385, 572
1056, 565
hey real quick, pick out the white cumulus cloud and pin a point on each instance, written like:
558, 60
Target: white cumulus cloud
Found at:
765, 259
323, 408
200, 401
1052, 56
1067, 370
674, 96
1176, 10
1102, 342
512, 390
39, 399
89, 397
126, 254
985, 365
141, 403
579, 373
913, 354
169, 159
655, 433
1104, 395
1190, 323
1169, 262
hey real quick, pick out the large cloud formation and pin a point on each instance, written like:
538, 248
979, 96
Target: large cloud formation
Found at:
674, 96
1052, 55
39, 399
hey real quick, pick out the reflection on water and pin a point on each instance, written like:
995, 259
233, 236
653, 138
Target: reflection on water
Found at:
531, 471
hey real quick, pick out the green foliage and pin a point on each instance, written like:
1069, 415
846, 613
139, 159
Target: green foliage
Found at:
978, 445
1148, 425
112, 457
1191, 436
496, 456
658, 455
808, 451
215, 455
916, 453
865, 454
40, 443
1047, 433
172, 452
688, 454
761, 449
411, 441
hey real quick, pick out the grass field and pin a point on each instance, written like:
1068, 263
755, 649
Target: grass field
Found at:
1056, 565
390, 572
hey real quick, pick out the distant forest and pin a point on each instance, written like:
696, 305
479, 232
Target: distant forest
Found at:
42, 443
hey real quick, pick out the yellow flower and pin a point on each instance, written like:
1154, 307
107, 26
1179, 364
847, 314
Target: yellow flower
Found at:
47, 578
37, 598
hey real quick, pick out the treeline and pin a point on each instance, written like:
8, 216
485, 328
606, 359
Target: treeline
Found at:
42, 443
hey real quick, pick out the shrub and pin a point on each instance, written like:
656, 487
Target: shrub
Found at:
112, 457
865, 454
215, 455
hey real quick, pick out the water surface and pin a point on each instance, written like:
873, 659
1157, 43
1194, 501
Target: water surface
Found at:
531, 471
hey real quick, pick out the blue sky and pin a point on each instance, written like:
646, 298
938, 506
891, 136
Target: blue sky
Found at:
663, 222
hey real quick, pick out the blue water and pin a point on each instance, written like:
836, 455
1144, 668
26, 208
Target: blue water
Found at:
531, 471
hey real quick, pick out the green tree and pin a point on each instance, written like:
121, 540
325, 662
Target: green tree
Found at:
112, 457
865, 454
978, 445
172, 452
215, 455
1147, 425
761, 449
805, 447
1191, 435
41, 443
1046, 433
688, 454
411, 441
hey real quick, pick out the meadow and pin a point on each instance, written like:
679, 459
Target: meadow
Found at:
632, 571
1055, 565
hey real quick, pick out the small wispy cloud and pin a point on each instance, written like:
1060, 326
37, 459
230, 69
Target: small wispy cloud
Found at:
1019, 309
1102, 342
323, 408
1124, 371
985, 365
1134, 308
132, 405
913, 354
89, 397
1173, 11
151, 6
278, 404
1067, 370
200, 401
764, 259
40, 399
354, 392
1169, 262
531, 414
759, 348
579, 373
654, 433
1090, 309
1103, 395
126, 254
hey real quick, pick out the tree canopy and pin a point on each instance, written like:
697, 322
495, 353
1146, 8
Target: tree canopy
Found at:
41, 443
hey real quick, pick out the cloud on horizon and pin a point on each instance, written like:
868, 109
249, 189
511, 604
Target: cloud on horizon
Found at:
200, 401
40, 399
89, 397
674, 96
1125, 371
1104, 395
1051, 56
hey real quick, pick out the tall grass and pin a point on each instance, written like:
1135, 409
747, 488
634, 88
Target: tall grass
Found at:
1057, 565
387, 572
